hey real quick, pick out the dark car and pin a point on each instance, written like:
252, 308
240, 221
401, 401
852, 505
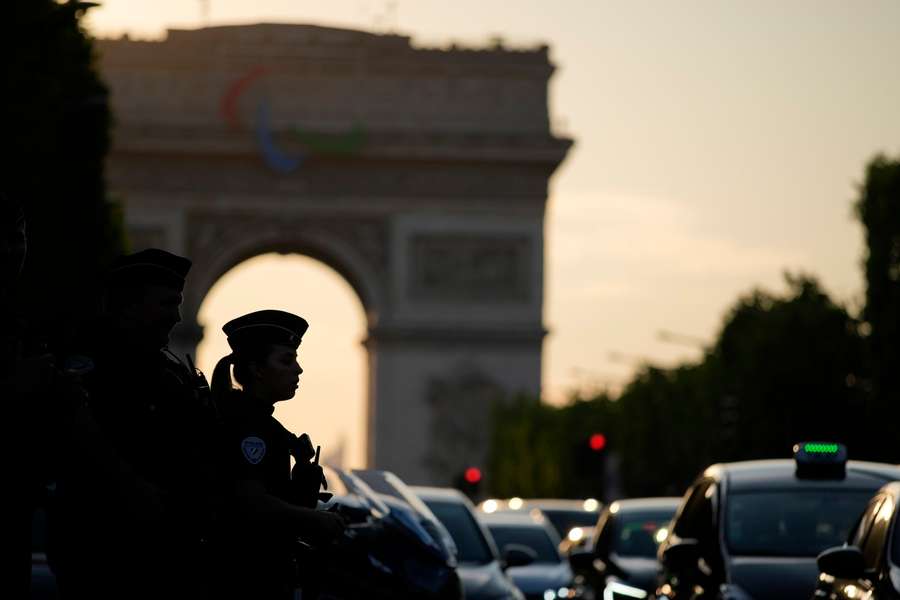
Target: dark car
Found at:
867, 567
572, 519
622, 561
753, 529
549, 575
388, 484
481, 568
389, 550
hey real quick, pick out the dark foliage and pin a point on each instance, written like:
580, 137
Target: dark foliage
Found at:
878, 209
784, 368
56, 122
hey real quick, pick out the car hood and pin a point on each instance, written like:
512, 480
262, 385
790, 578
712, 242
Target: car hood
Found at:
639, 572
484, 581
535, 578
770, 578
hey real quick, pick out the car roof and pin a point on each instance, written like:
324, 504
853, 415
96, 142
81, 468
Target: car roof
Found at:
892, 488
626, 505
556, 503
781, 473
437, 493
523, 518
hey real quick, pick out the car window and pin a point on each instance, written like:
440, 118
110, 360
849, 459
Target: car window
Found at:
470, 543
565, 519
535, 538
874, 545
638, 533
790, 522
864, 524
696, 519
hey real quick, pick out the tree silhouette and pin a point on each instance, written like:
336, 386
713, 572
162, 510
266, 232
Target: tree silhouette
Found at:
56, 123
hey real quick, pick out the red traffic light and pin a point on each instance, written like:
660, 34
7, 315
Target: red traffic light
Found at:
597, 442
472, 475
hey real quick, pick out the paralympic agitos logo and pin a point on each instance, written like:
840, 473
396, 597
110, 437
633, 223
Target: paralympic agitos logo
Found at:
311, 143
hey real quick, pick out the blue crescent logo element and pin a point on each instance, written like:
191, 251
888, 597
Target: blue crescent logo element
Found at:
326, 144
275, 158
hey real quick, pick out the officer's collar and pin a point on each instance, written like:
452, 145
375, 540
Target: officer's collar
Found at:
246, 405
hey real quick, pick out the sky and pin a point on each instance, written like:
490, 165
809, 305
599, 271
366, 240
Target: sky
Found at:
718, 144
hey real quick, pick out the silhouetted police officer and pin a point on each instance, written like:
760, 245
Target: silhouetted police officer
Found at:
137, 490
23, 375
266, 517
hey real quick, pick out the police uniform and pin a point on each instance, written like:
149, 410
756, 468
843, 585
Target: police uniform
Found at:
258, 448
158, 423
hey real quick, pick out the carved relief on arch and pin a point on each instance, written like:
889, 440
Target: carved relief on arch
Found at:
355, 247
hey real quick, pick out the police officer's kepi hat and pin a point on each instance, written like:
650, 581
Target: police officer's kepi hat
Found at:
151, 266
265, 328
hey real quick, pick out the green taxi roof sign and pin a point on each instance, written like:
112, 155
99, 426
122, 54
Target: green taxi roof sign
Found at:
820, 460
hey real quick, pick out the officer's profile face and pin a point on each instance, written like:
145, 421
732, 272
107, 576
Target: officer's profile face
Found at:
278, 376
155, 312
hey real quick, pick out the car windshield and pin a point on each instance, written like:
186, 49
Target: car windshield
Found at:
791, 522
470, 543
534, 537
565, 519
637, 533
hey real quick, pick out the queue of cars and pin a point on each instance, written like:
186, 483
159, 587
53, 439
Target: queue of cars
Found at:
816, 527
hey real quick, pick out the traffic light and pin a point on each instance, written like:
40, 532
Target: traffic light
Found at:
597, 442
469, 482
590, 455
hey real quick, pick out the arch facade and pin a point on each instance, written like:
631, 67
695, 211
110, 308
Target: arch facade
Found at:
419, 175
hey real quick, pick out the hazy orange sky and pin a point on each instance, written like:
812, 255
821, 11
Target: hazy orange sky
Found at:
718, 144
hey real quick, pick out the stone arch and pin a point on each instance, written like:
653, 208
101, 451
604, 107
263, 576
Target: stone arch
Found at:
423, 183
219, 242
333, 252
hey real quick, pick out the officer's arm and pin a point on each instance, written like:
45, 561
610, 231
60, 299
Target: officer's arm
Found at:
271, 512
95, 454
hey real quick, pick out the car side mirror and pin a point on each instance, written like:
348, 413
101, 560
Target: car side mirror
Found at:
516, 555
681, 555
843, 562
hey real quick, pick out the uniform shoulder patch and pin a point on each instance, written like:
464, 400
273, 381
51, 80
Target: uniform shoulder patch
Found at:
253, 449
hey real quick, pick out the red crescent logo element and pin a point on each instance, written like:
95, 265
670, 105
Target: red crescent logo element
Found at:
229, 100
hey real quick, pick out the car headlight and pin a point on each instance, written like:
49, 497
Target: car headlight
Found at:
615, 590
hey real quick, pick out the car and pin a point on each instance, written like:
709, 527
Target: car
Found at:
480, 566
752, 530
389, 484
867, 567
570, 518
549, 575
622, 559
388, 551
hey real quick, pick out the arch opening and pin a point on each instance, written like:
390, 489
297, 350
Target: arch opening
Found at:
331, 403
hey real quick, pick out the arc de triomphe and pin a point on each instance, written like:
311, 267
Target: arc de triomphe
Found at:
420, 175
